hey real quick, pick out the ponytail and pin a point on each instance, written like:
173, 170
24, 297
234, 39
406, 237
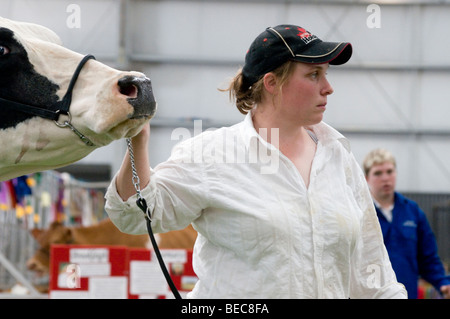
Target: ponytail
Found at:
246, 97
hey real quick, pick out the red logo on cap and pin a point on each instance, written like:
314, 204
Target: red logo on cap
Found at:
306, 36
303, 33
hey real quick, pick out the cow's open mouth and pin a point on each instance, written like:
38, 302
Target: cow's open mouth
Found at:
140, 117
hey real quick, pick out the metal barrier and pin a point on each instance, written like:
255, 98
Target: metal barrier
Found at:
34, 202
441, 227
16, 246
437, 208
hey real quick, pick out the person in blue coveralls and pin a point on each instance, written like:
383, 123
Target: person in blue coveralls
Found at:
407, 234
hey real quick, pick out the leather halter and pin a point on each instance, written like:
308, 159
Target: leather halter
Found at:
62, 107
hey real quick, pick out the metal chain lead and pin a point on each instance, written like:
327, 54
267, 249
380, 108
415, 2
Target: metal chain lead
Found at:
135, 178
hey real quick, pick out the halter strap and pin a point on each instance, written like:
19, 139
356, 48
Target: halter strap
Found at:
26, 108
62, 107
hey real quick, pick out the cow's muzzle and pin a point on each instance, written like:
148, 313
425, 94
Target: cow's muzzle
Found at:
139, 94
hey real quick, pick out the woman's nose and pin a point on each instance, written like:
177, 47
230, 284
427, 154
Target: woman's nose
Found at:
327, 89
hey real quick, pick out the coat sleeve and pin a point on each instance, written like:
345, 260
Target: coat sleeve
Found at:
126, 215
430, 265
372, 273
176, 195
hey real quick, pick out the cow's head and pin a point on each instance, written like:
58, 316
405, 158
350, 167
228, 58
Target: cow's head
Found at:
36, 70
57, 233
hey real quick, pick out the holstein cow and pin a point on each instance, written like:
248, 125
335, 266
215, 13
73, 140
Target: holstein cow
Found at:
56, 107
103, 233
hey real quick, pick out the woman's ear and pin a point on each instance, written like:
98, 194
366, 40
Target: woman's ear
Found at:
271, 83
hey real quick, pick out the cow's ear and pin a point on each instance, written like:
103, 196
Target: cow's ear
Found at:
36, 232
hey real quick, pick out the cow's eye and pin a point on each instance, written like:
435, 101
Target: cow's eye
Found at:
4, 50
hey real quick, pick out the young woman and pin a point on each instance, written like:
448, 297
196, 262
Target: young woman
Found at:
280, 205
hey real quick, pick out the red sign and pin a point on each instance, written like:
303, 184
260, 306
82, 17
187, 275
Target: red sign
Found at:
110, 272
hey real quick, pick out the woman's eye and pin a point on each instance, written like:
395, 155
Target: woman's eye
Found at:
4, 50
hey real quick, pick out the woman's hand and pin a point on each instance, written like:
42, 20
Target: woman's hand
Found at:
143, 136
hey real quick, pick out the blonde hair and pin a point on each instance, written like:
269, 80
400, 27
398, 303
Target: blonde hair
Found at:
376, 157
246, 98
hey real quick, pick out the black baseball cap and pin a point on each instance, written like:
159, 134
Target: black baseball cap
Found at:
277, 45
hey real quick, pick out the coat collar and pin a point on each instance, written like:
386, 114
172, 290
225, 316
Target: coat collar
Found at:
324, 133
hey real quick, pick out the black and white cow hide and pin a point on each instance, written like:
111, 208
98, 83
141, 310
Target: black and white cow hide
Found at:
35, 69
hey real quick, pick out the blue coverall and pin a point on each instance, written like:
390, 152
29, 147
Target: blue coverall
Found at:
411, 246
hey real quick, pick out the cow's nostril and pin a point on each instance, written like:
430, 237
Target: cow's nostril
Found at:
129, 90
139, 93
128, 86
